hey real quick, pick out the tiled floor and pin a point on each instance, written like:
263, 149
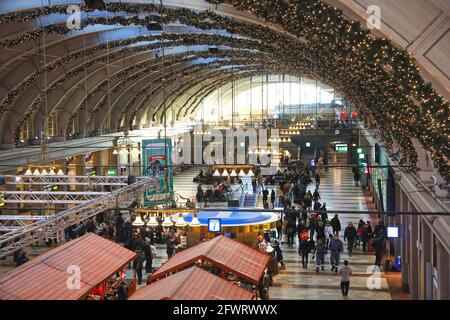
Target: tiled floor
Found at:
295, 283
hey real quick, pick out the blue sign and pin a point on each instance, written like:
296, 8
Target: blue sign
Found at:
215, 225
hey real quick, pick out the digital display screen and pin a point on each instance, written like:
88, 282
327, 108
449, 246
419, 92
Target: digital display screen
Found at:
392, 232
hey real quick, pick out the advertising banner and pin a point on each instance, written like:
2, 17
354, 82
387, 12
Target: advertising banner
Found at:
157, 162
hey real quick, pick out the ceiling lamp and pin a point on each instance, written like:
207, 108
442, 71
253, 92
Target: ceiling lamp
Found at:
60, 173
36, 172
180, 221
28, 172
250, 151
115, 152
289, 140
152, 222
52, 172
225, 173
233, 173
262, 151
256, 151
44, 172
250, 173
138, 221
216, 173
167, 222
242, 173
195, 222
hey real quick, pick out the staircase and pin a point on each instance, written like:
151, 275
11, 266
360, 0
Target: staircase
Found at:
249, 200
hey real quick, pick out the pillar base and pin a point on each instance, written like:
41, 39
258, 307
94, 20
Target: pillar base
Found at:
7, 146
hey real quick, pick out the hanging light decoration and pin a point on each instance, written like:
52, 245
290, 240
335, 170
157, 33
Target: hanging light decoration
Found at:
36, 172
250, 173
250, 151
216, 173
28, 172
233, 173
195, 222
60, 173
242, 173
44, 172
138, 221
225, 173
167, 222
152, 222
115, 152
262, 152
256, 151
180, 221
52, 172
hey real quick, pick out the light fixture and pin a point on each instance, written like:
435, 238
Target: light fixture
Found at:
262, 151
167, 222
242, 173
44, 172
18, 179
152, 222
36, 172
60, 173
138, 221
250, 173
250, 151
256, 151
233, 173
225, 173
28, 172
115, 152
180, 221
216, 173
52, 172
195, 222
289, 140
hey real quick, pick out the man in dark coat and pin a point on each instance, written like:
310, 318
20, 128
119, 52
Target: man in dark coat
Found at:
350, 235
379, 247
336, 224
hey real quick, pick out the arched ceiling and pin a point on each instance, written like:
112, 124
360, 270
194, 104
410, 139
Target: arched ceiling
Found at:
113, 72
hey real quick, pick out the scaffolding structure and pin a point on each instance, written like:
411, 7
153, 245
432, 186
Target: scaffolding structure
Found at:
119, 181
55, 225
50, 197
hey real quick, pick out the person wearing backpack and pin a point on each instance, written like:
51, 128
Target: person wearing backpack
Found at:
303, 250
350, 235
138, 265
319, 253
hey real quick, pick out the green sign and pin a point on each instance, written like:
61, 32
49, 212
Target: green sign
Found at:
308, 144
342, 149
360, 150
362, 156
112, 172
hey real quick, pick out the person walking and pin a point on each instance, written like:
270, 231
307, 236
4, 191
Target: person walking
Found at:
336, 248
317, 177
138, 265
350, 235
308, 200
290, 233
346, 272
316, 196
265, 196
303, 250
254, 184
272, 198
364, 237
319, 253
279, 253
148, 256
379, 247
170, 247
336, 224
356, 177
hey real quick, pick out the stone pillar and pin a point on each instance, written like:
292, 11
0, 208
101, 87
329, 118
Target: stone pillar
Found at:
80, 165
443, 276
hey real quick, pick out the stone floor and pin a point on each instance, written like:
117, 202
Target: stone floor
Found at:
295, 283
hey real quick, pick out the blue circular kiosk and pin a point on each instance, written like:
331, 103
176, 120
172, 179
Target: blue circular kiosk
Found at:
243, 226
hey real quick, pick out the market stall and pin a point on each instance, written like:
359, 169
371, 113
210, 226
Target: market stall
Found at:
222, 256
192, 284
90, 267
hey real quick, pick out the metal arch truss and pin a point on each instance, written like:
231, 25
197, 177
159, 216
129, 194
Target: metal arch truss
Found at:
56, 224
120, 181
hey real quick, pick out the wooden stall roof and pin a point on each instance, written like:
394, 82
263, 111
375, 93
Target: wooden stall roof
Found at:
47, 277
192, 284
222, 252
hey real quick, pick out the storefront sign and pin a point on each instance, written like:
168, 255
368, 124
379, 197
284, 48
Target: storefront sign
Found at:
214, 225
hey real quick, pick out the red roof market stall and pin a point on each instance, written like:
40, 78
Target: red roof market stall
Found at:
192, 284
223, 253
53, 275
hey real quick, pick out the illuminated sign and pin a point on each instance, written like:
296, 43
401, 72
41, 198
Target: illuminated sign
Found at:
214, 225
392, 232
